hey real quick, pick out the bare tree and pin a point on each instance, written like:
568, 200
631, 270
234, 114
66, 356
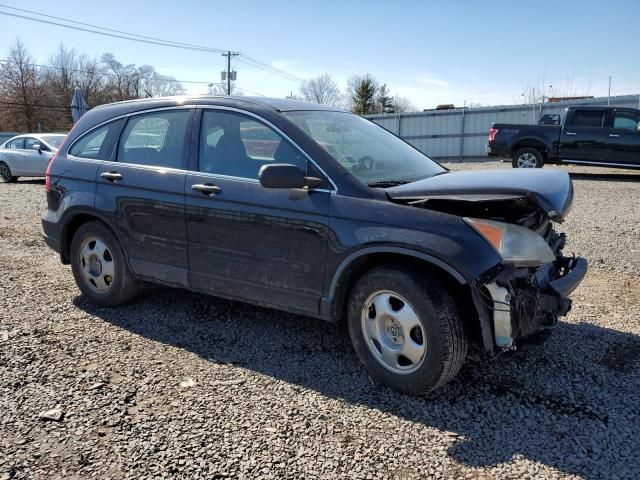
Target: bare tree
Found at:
124, 80
21, 90
221, 89
402, 104
152, 84
322, 89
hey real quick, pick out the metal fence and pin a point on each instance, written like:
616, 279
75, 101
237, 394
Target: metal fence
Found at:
460, 134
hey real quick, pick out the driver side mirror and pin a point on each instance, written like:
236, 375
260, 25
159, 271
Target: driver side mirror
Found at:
284, 175
37, 146
638, 127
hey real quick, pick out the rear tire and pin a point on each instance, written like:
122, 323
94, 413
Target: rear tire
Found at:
406, 329
99, 266
527, 158
5, 173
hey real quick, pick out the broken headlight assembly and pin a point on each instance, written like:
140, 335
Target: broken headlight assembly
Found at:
516, 245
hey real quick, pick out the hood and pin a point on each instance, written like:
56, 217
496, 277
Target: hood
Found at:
550, 191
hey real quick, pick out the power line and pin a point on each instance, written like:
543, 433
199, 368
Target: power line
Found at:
214, 50
107, 74
144, 39
22, 104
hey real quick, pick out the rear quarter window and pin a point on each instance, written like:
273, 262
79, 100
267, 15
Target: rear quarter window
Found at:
97, 144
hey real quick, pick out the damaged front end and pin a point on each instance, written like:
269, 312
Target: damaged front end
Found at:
529, 290
513, 211
514, 303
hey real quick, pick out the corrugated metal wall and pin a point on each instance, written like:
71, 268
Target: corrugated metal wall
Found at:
461, 134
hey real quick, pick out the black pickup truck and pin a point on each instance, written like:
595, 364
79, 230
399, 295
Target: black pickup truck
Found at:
604, 136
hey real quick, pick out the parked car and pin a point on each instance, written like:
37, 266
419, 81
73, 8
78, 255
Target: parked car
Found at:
600, 136
28, 155
342, 220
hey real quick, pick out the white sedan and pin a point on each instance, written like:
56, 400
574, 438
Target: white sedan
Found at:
28, 155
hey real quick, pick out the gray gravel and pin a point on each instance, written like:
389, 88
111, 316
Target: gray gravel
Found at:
188, 386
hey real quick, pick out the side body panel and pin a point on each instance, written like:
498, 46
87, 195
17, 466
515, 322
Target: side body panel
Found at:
263, 245
583, 143
146, 207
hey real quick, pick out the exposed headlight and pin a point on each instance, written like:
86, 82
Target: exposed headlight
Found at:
515, 244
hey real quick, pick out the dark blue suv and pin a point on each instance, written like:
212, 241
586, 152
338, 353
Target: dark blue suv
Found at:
316, 211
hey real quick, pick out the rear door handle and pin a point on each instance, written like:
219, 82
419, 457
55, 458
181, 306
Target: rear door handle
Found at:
206, 188
111, 176
614, 135
570, 133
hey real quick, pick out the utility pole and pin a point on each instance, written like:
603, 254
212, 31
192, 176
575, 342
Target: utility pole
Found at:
609, 94
228, 74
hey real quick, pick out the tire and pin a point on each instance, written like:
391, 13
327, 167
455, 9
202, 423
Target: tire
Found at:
527, 158
99, 267
438, 332
5, 173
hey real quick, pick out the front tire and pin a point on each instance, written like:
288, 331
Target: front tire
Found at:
527, 158
406, 329
99, 266
5, 173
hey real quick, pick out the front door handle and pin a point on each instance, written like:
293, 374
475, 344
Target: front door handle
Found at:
206, 188
111, 176
570, 133
614, 135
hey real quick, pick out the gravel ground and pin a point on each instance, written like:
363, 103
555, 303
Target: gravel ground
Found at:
179, 385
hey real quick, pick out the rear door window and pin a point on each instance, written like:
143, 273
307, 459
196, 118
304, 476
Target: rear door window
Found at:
16, 144
155, 139
97, 144
626, 120
588, 118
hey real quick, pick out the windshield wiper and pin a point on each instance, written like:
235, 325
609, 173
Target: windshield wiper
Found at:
387, 183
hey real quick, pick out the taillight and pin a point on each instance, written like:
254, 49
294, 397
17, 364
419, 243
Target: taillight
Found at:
47, 175
492, 134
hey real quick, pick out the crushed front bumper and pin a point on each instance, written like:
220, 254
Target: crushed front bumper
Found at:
515, 303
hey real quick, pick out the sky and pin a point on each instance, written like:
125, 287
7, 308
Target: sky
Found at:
460, 52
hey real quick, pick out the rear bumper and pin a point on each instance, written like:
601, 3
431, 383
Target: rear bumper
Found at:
497, 151
51, 233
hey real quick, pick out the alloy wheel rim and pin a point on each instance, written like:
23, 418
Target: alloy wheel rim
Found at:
393, 332
96, 261
527, 160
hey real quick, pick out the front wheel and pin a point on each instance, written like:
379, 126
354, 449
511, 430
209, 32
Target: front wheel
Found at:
527, 158
5, 173
406, 329
99, 266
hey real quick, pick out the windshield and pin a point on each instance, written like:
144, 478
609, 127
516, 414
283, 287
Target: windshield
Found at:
54, 140
369, 152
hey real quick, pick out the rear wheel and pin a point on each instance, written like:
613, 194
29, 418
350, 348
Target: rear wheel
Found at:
99, 266
5, 173
406, 329
527, 158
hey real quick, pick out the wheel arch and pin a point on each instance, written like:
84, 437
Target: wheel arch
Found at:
75, 219
530, 143
364, 260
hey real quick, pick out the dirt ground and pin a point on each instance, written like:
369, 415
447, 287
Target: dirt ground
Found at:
180, 385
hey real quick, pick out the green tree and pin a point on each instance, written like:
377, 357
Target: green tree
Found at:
384, 100
362, 93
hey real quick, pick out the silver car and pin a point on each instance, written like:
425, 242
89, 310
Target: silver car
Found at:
28, 155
